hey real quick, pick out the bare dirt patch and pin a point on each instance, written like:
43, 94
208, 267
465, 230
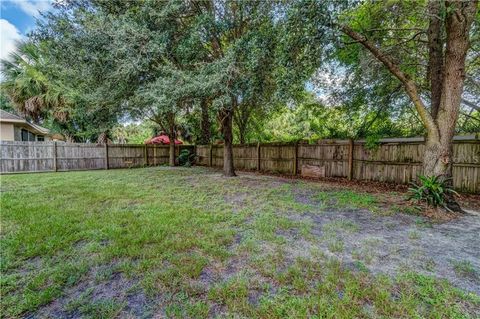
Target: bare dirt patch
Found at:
389, 244
384, 242
102, 286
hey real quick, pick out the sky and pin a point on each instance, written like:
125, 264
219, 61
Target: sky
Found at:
17, 18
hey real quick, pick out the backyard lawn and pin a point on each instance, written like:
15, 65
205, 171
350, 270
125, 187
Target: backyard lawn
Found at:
187, 242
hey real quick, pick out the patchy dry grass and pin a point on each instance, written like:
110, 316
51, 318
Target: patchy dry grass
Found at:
161, 242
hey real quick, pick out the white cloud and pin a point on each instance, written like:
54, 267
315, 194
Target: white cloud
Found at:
33, 7
9, 35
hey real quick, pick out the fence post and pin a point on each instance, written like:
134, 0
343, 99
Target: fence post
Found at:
55, 166
210, 162
295, 159
258, 156
106, 155
350, 159
145, 154
154, 155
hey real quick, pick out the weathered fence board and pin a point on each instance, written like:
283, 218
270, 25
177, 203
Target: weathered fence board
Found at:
394, 160
126, 155
79, 156
333, 156
26, 156
203, 155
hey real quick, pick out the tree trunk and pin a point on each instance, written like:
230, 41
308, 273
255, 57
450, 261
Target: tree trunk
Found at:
205, 136
435, 54
446, 75
241, 134
438, 151
437, 158
102, 138
171, 136
226, 117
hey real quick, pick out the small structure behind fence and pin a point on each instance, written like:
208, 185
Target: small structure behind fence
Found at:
394, 160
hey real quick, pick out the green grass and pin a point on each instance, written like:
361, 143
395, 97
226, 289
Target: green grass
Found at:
347, 199
465, 268
188, 243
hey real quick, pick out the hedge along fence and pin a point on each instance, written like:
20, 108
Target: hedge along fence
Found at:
59, 156
397, 160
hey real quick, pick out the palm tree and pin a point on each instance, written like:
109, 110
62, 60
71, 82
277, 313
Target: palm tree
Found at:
28, 87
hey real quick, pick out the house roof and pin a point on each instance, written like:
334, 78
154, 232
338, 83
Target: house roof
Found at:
6, 117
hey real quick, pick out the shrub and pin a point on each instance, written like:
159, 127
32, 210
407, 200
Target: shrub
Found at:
372, 142
186, 158
433, 190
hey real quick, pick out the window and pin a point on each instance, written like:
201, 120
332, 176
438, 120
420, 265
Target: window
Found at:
27, 136
24, 135
40, 138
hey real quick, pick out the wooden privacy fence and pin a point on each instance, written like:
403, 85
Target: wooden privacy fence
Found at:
396, 160
59, 156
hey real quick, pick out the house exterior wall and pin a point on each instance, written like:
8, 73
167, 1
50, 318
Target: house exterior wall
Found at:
13, 132
18, 133
45, 138
7, 132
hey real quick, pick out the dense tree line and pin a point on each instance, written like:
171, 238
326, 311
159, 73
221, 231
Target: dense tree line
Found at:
254, 70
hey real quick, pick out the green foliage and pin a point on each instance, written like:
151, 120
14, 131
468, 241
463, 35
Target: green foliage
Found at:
433, 190
372, 142
27, 86
186, 158
36, 89
134, 133
5, 103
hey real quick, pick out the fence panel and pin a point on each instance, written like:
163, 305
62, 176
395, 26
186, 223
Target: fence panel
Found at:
277, 158
26, 156
217, 155
390, 162
245, 157
126, 155
80, 156
466, 166
203, 155
157, 154
333, 156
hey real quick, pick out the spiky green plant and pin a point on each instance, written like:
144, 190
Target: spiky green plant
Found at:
432, 190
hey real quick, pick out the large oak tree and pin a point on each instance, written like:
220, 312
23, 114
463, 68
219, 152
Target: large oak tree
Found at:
448, 43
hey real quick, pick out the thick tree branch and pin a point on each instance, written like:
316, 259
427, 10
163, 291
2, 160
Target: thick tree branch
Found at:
471, 104
469, 116
393, 67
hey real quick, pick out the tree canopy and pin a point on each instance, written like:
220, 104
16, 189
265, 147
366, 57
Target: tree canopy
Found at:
243, 71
